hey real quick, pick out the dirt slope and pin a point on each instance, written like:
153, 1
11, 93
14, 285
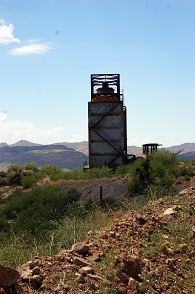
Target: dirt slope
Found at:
148, 252
152, 251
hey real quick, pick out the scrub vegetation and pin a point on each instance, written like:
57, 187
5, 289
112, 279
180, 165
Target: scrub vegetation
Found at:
38, 219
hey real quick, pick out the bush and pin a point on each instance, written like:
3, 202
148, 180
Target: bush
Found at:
28, 181
37, 211
103, 172
15, 179
134, 186
158, 169
31, 166
3, 182
3, 174
76, 174
51, 170
14, 168
122, 170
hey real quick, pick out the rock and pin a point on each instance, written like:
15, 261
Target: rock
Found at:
132, 267
121, 290
141, 219
168, 211
80, 261
188, 191
122, 276
80, 278
36, 271
104, 235
181, 247
59, 257
86, 270
80, 248
167, 251
31, 273
35, 262
94, 257
26, 275
2, 291
112, 233
8, 276
133, 284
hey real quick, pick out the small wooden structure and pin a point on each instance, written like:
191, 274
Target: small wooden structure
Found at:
150, 147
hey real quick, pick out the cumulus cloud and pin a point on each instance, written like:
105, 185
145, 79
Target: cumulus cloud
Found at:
14, 131
2, 116
76, 138
6, 33
31, 49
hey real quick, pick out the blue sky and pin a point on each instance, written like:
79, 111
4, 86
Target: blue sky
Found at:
49, 49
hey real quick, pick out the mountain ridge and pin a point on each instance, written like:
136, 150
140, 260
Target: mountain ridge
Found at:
67, 155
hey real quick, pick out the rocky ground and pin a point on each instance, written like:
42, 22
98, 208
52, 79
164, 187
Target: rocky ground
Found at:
152, 251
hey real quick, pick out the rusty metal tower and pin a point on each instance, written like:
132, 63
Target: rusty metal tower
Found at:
107, 123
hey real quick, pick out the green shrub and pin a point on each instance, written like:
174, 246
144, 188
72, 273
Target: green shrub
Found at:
88, 204
134, 186
51, 170
122, 170
3, 174
185, 169
76, 174
110, 202
140, 177
30, 166
102, 172
161, 169
187, 178
37, 210
15, 179
28, 181
14, 168
167, 181
3, 224
56, 173
3, 182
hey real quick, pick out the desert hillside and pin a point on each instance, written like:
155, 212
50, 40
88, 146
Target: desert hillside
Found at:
147, 251
128, 232
57, 155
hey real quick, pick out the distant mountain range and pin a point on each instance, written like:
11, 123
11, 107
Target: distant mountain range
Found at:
66, 155
187, 150
55, 154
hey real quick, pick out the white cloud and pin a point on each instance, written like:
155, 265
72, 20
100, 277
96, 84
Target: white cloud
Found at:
31, 49
6, 33
76, 138
15, 131
2, 116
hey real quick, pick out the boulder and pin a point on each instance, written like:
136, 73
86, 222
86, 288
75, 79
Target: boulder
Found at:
8, 276
80, 248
